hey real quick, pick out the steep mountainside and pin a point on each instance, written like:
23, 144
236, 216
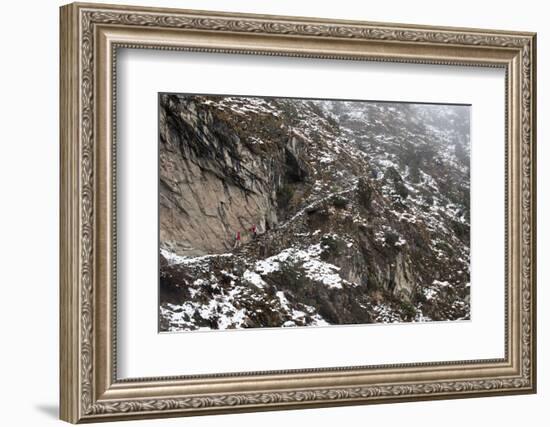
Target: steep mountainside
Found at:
361, 210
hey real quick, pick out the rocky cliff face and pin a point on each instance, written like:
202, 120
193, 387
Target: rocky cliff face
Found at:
212, 183
361, 210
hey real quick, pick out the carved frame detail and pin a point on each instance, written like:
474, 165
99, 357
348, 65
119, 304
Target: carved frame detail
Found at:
80, 399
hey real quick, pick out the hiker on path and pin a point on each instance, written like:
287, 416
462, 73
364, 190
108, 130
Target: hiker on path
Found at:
237, 240
254, 231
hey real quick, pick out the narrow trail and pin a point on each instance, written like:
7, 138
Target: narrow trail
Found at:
315, 204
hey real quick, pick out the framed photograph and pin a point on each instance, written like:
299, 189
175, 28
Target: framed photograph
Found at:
267, 212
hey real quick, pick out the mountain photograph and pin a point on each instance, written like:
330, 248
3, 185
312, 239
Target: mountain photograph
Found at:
295, 212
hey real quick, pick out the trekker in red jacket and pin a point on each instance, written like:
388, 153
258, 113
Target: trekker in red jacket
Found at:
237, 240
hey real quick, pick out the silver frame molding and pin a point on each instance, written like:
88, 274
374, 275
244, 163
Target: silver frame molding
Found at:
90, 37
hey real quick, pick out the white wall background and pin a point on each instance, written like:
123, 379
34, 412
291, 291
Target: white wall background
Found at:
29, 170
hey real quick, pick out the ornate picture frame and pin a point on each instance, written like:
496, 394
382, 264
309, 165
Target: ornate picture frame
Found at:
91, 34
